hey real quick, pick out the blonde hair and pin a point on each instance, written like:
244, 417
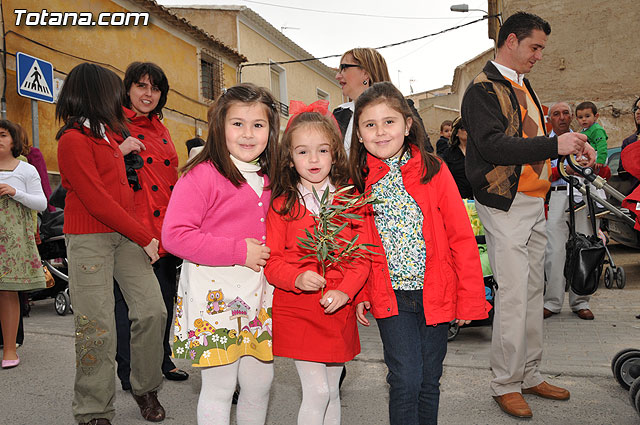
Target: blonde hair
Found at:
372, 62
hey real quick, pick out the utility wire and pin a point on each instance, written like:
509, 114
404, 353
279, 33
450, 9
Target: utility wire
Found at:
330, 12
377, 48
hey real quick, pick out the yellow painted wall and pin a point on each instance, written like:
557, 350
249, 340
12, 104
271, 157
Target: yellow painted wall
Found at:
301, 80
115, 46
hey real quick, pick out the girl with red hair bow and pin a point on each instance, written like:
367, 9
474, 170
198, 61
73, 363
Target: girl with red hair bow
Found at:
314, 326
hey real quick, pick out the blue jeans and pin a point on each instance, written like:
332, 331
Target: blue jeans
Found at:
410, 346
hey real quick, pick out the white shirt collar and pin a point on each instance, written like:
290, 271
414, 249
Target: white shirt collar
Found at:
308, 200
87, 124
509, 73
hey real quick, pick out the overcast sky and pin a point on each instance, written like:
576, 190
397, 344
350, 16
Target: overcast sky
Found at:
424, 64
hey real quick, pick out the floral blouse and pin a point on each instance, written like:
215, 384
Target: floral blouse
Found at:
399, 223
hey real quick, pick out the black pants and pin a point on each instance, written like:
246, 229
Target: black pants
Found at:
165, 270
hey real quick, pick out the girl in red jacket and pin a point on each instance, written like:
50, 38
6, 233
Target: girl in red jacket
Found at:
104, 241
430, 272
318, 330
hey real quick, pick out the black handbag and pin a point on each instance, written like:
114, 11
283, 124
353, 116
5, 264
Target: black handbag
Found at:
585, 254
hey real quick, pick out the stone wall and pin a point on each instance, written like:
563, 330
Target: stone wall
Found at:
592, 54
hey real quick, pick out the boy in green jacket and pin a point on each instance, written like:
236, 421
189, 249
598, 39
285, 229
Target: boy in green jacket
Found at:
587, 116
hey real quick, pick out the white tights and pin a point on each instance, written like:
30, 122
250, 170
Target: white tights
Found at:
320, 393
219, 383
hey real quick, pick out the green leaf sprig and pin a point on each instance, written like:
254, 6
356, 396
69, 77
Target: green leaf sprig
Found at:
325, 243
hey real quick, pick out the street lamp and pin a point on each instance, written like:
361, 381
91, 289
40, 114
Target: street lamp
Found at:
465, 8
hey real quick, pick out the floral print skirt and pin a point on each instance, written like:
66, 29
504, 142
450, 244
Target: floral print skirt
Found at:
222, 313
20, 267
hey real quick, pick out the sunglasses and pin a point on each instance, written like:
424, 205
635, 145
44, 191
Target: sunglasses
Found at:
344, 66
635, 109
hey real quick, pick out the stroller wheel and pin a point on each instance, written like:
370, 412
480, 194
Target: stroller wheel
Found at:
454, 328
633, 391
608, 278
636, 402
62, 303
621, 278
627, 369
617, 356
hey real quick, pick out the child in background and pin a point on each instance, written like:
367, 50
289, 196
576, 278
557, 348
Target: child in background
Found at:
445, 134
587, 116
318, 331
20, 266
215, 221
429, 273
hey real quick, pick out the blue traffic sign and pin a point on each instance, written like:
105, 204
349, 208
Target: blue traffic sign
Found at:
35, 77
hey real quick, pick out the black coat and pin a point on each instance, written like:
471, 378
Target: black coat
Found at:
454, 158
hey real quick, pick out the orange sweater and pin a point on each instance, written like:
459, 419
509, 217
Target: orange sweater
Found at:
534, 179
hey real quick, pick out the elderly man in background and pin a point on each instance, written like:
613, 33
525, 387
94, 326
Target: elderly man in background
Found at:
560, 115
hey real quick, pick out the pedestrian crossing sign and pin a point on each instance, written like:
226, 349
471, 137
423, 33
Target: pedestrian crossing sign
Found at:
34, 77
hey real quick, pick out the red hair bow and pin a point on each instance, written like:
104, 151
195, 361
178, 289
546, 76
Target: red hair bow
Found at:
320, 106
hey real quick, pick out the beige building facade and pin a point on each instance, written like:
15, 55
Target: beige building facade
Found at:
255, 38
197, 64
440, 105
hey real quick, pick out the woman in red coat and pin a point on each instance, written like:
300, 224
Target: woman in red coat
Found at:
315, 326
153, 178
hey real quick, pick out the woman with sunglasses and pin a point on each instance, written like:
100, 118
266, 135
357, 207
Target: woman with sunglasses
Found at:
146, 88
359, 69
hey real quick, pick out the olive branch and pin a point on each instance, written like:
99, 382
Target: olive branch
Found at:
325, 243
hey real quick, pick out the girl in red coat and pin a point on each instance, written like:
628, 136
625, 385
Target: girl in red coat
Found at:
429, 273
318, 330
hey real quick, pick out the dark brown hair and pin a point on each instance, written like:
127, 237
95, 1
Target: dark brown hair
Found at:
215, 149
91, 92
14, 132
522, 25
285, 183
135, 71
445, 123
587, 105
386, 92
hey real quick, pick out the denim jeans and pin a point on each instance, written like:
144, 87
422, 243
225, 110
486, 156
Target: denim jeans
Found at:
411, 347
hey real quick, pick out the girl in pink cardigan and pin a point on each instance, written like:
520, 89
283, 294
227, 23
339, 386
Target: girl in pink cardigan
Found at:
215, 221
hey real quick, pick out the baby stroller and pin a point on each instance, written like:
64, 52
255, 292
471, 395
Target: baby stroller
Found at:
490, 285
612, 273
53, 254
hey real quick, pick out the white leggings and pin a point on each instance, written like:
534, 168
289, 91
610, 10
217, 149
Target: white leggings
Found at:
320, 393
219, 383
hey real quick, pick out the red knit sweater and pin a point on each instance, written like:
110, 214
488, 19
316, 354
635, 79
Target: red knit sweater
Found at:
99, 199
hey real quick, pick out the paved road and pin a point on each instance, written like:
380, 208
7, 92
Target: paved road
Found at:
577, 355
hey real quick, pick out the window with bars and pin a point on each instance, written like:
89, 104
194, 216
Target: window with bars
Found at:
212, 79
278, 78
